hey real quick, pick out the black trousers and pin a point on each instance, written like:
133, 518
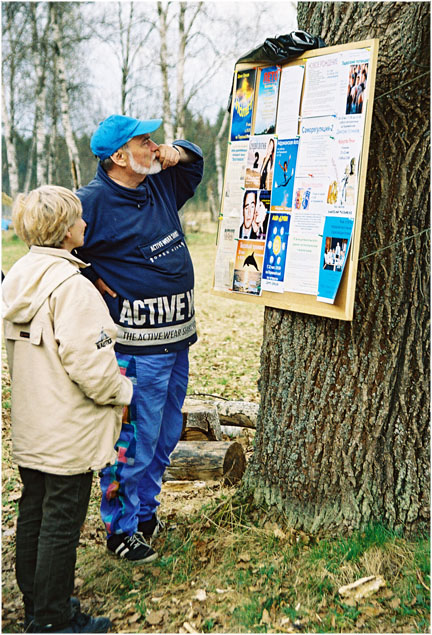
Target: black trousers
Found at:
51, 511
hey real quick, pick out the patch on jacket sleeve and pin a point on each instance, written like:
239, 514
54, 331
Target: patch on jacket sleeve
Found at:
104, 339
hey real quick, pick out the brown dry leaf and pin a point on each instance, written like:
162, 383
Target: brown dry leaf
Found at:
78, 582
244, 557
156, 600
265, 619
189, 628
395, 603
243, 565
155, 617
278, 533
371, 611
362, 588
386, 594
134, 618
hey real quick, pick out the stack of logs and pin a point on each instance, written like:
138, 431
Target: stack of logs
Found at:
201, 454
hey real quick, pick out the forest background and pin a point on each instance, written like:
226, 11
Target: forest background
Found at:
66, 66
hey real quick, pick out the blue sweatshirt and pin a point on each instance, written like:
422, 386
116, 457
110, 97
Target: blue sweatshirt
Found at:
135, 243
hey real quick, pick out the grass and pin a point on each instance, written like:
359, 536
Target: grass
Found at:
229, 567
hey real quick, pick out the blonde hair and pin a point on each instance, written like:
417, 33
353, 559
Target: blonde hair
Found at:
44, 216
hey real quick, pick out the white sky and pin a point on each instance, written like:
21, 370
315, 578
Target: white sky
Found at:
261, 19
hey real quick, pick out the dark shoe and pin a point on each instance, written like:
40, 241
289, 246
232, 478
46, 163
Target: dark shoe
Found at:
80, 623
75, 605
133, 548
151, 528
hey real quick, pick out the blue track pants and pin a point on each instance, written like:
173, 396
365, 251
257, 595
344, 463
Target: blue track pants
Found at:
150, 431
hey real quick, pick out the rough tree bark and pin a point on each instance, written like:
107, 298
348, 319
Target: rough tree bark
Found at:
342, 434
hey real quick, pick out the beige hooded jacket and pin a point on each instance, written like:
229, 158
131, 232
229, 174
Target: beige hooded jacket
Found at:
67, 390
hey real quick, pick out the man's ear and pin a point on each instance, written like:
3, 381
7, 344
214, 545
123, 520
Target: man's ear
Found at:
119, 158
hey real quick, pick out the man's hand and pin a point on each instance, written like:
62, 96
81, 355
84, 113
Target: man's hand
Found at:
104, 288
167, 155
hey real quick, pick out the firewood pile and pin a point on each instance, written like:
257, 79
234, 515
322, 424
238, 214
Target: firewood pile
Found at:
202, 454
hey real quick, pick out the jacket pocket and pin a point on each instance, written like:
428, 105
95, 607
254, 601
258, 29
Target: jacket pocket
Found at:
31, 333
166, 254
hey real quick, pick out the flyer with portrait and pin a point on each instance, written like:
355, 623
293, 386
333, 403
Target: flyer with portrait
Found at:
353, 82
243, 104
334, 252
260, 162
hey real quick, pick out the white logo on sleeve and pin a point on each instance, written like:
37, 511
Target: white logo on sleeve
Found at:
104, 339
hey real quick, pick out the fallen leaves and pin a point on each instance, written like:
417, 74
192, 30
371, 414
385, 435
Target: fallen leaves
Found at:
200, 595
155, 617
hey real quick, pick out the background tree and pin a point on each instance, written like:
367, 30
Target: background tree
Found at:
343, 436
14, 24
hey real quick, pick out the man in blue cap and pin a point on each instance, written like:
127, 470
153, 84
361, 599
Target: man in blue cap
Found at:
141, 265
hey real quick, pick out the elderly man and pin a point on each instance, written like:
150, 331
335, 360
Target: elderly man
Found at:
141, 265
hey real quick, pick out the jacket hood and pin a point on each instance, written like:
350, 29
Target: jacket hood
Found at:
33, 278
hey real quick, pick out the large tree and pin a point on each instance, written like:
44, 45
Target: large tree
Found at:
343, 437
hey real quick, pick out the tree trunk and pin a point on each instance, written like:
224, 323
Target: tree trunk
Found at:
39, 52
218, 154
12, 34
64, 99
342, 434
180, 66
125, 41
166, 105
10, 149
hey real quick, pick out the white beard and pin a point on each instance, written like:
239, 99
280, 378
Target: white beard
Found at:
154, 168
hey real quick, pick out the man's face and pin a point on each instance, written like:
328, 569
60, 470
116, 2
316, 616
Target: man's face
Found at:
248, 210
141, 155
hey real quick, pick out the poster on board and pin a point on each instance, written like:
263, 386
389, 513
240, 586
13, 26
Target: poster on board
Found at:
296, 196
248, 267
267, 101
243, 104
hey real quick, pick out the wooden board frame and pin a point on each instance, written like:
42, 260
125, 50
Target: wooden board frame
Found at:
343, 307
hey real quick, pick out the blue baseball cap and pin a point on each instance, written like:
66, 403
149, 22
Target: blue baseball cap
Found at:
114, 131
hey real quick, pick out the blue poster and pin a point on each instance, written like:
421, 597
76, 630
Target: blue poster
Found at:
267, 100
243, 103
284, 172
334, 253
275, 253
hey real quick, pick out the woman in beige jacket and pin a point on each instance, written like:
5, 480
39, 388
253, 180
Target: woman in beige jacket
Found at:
67, 399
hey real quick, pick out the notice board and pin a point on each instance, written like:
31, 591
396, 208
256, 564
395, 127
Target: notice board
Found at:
292, 203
